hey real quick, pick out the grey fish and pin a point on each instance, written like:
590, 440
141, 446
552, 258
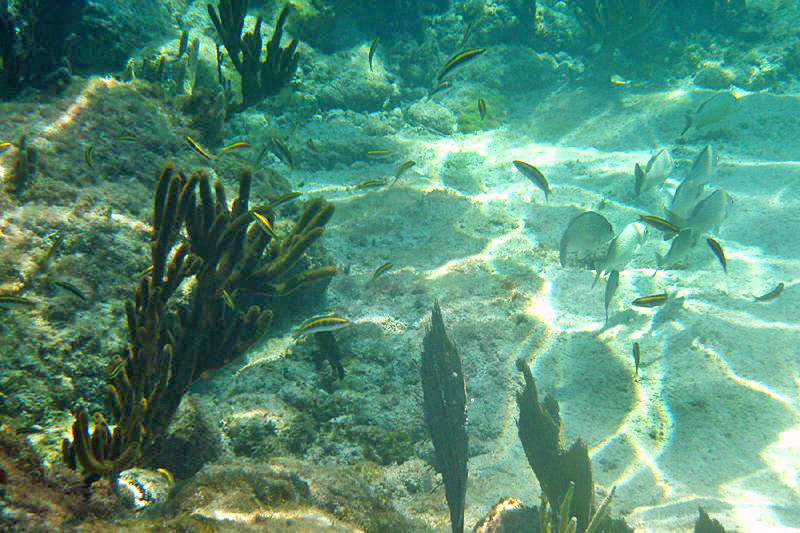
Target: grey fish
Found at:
535, 175
622, 248
680, 248
658, 169
704, 165
687, 196
611, 288
771, 295
585, 233
712, 110
710, 213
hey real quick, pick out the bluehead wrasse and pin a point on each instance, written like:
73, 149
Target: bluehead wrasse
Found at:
87, 156
482, 108
380, 270
283, 152
235, 146
316, 325
405, 166
289, 196
616, 79
655, 300
637, 355
197, 148
771, 295
5, 146
459, 59
380, 153
261, 154
372, 48
167, 475
311, 145
719, 252
69, 287
7, 300
228, 300
371, 183
126, 138
439, 87
144, 272
264, 223
660, 224
533, 174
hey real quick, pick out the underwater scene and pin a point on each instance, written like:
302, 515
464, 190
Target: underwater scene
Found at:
400, 266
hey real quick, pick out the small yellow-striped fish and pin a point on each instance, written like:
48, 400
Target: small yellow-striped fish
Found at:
167, 475
228, 300
9, 301
126, 138
439, 87
197, 148
264, 223
482, 108
771, 295
654, 300
380, 270
235, 146
285, 198
380, 153
87, 156
660, 224
144, 272
458, 60
401, 170
719, 252
637, 354
283, 152
372, 48
317, 325
5, 146
370, 183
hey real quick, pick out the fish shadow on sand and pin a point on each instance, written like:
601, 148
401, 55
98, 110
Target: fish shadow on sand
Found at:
625, 316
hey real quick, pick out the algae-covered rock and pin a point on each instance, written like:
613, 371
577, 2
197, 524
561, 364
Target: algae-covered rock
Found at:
713, 77
431, 115
461, 171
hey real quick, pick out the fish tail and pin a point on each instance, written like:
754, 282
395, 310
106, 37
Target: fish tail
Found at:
599, 271
688, 125
640, 177
659, 264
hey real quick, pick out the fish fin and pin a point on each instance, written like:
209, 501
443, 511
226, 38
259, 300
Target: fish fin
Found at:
599, 271
659, 264
640, 177
688, 125
562, 251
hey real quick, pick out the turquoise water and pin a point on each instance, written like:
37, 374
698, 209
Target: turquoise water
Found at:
313, 419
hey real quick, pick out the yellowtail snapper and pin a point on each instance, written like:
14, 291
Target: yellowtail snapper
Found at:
283, 152
719, 252
656, 300
533, 174
771, 295
457, 60
319, 324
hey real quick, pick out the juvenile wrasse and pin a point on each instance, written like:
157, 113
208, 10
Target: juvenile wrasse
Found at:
264, 223
235, 146
316, 325
87, 156
482, 108
405, 166
9, 301
285, 198
458, 60
719, 252
70, 288
535, 175
637, 354
197, 148
380, 270
283, 152
655, 300
372, 48
771, 295
370, 183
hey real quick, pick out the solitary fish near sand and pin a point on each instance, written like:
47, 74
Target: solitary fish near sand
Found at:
585, 232
712, 110
535, 175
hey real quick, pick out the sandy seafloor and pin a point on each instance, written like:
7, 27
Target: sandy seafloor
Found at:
713, 418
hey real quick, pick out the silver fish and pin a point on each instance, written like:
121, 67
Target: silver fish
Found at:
622, 248
658, 169
704, 165
709, 214
712, 110
681, 246
687, 196
585, 232
611, 288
